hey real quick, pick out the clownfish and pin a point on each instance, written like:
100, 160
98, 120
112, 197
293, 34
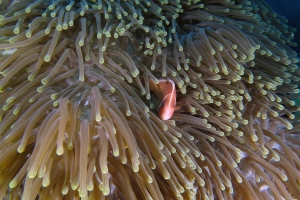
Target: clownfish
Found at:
165, 90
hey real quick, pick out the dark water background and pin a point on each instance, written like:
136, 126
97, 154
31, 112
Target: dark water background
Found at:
290, 9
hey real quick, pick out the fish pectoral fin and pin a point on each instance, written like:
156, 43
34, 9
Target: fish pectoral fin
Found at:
180, 104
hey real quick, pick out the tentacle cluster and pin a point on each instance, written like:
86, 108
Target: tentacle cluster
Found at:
78, 119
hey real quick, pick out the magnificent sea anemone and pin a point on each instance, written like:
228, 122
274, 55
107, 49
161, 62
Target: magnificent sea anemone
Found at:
79, 119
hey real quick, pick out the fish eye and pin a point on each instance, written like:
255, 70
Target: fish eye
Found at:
161, 105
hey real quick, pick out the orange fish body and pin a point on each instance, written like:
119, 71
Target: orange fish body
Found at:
165, 90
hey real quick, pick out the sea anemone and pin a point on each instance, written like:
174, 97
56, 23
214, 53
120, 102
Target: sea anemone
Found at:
79, 119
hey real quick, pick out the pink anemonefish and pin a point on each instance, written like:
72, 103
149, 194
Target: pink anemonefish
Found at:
165, 90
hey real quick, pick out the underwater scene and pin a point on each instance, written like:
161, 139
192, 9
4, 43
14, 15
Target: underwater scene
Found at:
152, 99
